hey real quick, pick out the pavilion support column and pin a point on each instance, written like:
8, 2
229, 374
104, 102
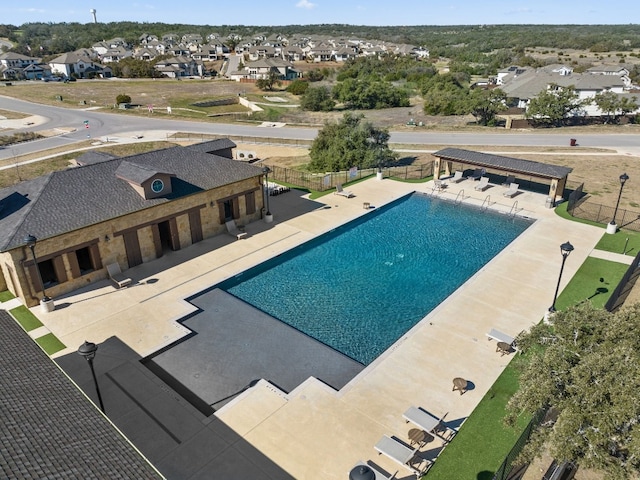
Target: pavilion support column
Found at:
553, 189
447, 168
436, 167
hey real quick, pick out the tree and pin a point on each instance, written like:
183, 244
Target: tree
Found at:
351, 142
267, 83
586, 367
298, 87
484, 104
123, 98
607, 102
369, 93
317, 99
554, 105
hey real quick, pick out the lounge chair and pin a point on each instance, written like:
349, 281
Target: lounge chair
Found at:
483, 185
439, 185
234, 231
498, 336
400, 453
510, 179
513, 190
423, 420
116, 275
378, 475
340, 191
457, 177
477, 174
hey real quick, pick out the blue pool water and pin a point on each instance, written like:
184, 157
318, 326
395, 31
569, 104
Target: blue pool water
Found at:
362, 286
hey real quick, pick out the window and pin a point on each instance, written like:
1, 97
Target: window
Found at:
157, 185
48, 273
85, 262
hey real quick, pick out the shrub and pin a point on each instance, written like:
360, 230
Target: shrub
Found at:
122, 98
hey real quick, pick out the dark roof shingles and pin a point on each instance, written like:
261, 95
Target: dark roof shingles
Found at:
507, 164
48, 428
83, 196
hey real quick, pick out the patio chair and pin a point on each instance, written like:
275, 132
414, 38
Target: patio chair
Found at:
513, 190
116, 275
483, 185
439, 185
498, 336
378, 475
234, 231
509, 180
400, 453
422, 419
340, 191
477, 174
457, 177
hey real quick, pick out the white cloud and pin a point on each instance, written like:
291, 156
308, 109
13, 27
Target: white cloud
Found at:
306, 4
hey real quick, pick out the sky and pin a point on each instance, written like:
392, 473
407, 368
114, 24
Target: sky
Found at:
305, 12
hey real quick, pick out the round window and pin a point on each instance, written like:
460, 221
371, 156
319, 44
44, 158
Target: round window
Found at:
157, 185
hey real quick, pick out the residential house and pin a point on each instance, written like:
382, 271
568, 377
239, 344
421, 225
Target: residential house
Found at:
260, 69
128, 211
72, 64
293, 54
116, 54
181, 66
13, 65
346, 53
261, 51
321, 53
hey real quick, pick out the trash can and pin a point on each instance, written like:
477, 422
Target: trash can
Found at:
549, 202
572, 142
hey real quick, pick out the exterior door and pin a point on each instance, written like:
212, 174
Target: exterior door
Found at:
132, 247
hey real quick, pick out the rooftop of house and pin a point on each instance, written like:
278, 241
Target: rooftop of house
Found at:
50, 429
67, 200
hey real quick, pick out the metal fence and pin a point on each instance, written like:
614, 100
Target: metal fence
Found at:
582, 207
326, 181
624, 287
504, 472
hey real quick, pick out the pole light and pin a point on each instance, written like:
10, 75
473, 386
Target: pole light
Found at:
266, 171
88, 351
565, 250
30, 241
623, 179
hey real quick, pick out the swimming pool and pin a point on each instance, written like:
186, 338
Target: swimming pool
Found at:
362, 286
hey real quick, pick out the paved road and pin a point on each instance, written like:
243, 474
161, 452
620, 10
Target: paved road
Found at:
113, 125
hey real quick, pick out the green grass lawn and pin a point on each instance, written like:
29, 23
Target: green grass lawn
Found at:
50, 343
25, 318
595, 280
483, 441
623, 241
6, 295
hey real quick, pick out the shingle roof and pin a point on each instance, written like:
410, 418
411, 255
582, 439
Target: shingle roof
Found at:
48, 428
67, 200
507, 164
213, 146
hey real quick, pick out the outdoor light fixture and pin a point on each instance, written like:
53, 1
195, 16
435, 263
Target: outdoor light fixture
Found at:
30, 241
362, 472
88, 351
623, 179
266, 171
565, 250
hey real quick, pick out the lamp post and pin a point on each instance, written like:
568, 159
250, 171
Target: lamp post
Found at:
88, 351
565, 250
268, 217
613, 227
30, 241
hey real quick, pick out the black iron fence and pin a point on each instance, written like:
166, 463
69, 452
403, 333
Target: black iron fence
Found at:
582, 207
624, 287
326, 181
503, 473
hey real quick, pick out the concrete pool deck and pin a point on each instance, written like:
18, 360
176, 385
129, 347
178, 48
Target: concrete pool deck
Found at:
315, 431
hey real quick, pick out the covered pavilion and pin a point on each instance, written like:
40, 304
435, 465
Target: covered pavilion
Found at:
554, 175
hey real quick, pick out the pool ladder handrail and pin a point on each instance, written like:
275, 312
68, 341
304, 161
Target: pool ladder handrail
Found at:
456, 201
514, 209
486, 200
